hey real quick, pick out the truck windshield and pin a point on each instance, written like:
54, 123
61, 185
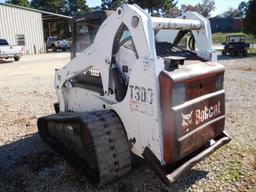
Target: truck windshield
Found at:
3, 42
236, 39
53, 39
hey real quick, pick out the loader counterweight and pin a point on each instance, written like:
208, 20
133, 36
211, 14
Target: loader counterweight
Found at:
193, 110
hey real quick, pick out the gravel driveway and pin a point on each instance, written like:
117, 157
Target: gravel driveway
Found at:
27, 164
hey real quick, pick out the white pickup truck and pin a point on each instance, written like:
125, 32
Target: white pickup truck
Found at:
9, 51
55, 44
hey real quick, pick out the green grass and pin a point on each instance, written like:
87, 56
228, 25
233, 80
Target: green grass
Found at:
236, 165
221, 37
252, 51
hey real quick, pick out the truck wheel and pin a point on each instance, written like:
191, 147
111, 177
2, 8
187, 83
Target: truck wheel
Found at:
16, 58
54, 49
223, 53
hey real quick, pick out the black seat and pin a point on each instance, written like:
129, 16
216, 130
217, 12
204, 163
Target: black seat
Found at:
87, 81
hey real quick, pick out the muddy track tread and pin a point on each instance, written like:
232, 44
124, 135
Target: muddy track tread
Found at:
108, 150
111, 148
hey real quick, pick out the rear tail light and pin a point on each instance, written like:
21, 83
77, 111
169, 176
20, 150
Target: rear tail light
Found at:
219, 82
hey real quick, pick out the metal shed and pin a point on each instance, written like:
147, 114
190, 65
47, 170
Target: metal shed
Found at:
24, 26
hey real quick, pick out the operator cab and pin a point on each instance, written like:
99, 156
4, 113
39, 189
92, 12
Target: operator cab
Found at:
84, 29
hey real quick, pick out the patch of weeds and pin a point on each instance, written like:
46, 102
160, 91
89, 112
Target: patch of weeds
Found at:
233, 171
251, 158
238, 166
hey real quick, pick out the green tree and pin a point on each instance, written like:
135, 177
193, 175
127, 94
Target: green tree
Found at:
55, 6
189, 7
174, 12
55, 28
242, 8
76, 7
249, 23
161, 7
23, 3
154, 7
206, 7
60, 28
111, 4
67, 7
232, 13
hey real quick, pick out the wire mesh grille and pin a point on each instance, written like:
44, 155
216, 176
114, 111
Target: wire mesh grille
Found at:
93, 71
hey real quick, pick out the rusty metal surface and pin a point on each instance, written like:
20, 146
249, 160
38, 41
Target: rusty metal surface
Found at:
193, 114
193, 111
219, 142
199, 70
168, 121
185, 164
203, 85
152, 160
174, 23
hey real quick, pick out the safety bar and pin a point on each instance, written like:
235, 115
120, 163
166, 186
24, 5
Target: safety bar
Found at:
173, 23
191, 162
174, 175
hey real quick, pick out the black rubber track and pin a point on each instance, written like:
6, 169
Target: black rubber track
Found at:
94, 141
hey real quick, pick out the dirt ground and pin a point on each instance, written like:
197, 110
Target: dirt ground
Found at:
27, 164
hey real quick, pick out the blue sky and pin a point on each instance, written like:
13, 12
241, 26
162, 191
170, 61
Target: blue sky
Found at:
221, 5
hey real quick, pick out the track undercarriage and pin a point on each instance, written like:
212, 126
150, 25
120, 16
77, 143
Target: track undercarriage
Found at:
95, 141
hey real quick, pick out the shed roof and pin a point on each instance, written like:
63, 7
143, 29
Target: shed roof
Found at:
45, 14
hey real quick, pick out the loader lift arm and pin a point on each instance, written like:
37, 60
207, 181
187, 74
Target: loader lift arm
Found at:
144, 44
142, 29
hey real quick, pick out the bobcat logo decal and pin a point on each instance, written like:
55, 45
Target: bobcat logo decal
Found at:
187, 119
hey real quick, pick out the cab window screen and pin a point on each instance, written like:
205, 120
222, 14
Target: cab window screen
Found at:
85, 34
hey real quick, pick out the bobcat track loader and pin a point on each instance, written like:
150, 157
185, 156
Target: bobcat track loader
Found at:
131, 88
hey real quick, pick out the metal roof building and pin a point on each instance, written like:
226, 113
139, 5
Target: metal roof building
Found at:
24, 26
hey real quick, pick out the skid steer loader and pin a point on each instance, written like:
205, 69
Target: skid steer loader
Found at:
132, 89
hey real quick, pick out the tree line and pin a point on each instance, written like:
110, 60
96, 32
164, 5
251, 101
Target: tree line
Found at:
167, 8
66, 7
153, 7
